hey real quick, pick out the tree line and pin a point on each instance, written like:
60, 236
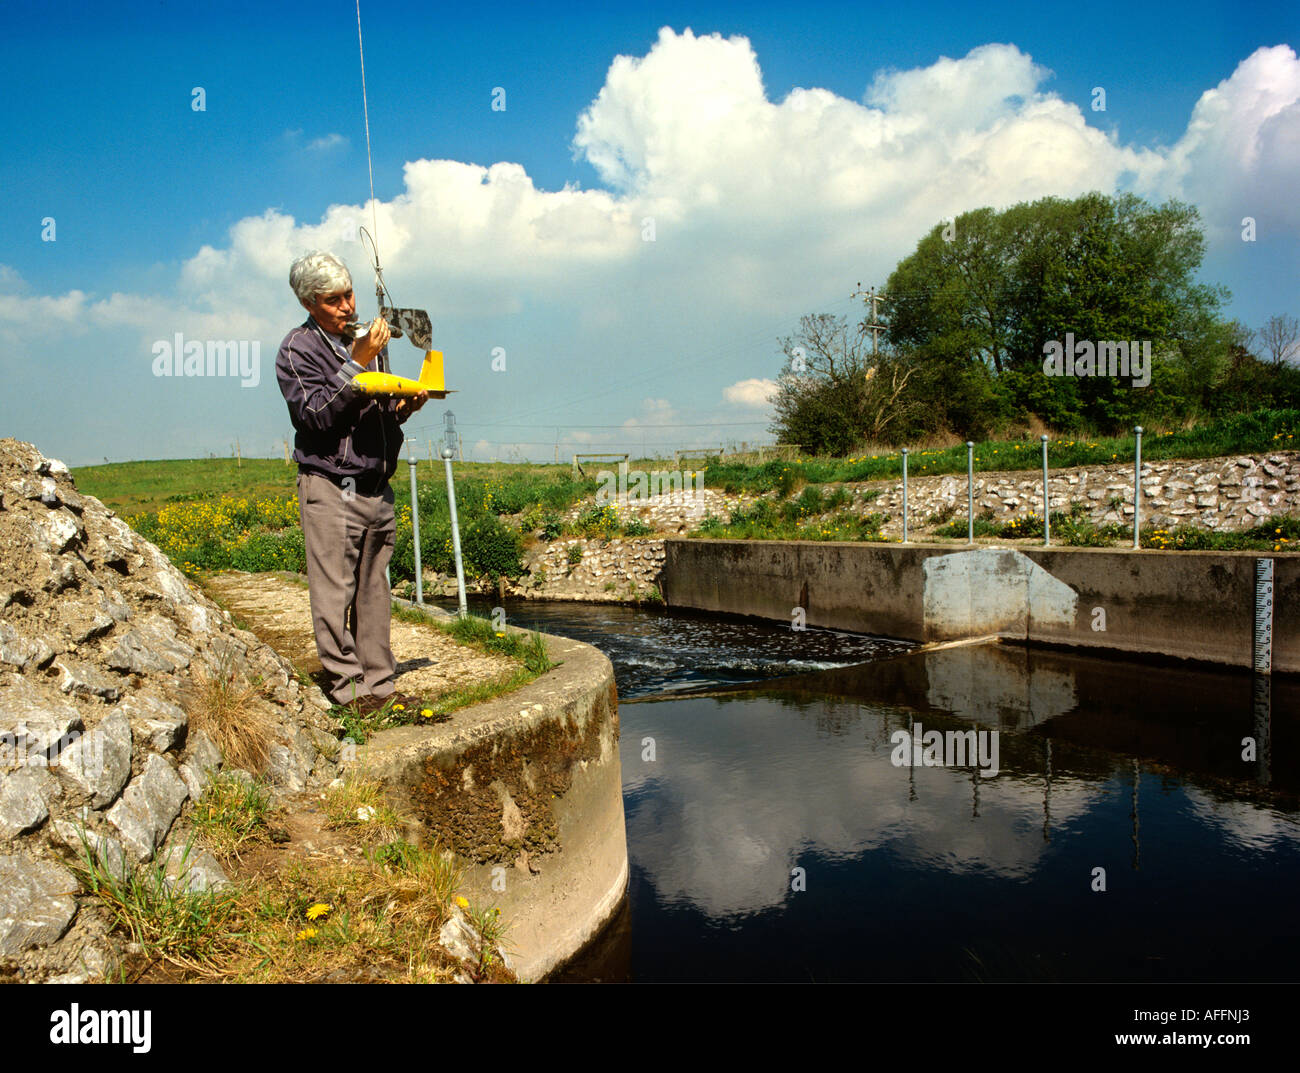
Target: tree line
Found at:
969, 316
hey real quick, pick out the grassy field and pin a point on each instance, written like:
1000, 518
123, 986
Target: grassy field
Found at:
211, 514
144, 487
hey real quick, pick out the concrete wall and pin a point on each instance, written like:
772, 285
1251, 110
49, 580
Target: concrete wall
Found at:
483, 784
1190, 605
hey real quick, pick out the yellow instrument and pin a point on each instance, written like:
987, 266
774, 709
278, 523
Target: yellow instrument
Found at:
432, 379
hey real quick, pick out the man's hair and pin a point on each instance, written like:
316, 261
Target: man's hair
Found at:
317, 273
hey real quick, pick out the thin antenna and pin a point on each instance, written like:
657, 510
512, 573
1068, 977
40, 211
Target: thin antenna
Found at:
365, 105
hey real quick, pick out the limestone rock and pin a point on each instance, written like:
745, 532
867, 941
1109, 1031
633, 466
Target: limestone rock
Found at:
23, 805
32, 722
148, 807
84, 680
285, 769
20, 652
162, 722
105, 849
99, 763
58, 531
36, 905
191, 869
459, 938
151, 646
203, 752
101, 622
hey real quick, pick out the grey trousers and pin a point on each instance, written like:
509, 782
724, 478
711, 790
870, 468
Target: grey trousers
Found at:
349, 541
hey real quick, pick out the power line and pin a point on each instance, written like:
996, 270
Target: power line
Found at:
712, 356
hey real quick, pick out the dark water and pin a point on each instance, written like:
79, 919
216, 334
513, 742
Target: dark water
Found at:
937, 873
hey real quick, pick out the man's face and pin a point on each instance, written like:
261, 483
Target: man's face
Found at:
333, 311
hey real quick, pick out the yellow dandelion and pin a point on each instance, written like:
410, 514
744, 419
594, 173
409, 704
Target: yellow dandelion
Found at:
462, 901
319, 910
427, 713
306, 934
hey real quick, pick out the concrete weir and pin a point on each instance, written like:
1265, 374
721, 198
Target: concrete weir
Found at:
1195, 605
528, 788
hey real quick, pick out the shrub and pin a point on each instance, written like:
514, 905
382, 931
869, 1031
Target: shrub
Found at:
491, 548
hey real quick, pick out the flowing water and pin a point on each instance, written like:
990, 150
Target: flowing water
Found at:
1128, 822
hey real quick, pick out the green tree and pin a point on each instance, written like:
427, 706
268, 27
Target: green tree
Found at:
980, 296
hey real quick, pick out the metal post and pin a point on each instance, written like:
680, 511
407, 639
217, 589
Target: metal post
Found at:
970, 492
463, 608
1137, 487
415, 525
451, 443
904, 495
1047, 501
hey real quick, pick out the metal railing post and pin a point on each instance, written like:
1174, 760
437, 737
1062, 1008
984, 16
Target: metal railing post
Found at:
904, 495
462, 607
415, 525
1047, 500
1137, 487
970, 492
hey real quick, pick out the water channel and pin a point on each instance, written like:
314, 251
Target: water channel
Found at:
1130, 821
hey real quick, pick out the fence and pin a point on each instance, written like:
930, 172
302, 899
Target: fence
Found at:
1047, 505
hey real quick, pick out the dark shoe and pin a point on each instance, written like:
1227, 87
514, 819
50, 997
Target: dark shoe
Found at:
367, 704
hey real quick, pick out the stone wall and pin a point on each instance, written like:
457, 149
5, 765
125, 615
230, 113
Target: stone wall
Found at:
1215, 493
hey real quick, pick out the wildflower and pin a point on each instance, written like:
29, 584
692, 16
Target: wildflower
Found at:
319, 910
427, 713
306, 934
399, 707
462, 901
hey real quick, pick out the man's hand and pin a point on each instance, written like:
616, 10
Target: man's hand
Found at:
369, 345
410, 404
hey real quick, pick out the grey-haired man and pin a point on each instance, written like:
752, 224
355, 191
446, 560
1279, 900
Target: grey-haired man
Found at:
346, 445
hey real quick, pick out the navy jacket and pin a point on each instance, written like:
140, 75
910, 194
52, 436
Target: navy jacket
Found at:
340, 431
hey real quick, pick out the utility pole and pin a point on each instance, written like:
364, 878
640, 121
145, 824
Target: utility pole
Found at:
875, 327
239, 458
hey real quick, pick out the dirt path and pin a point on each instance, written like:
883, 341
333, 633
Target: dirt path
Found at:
429, 663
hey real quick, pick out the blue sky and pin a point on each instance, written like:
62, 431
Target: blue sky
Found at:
766, 205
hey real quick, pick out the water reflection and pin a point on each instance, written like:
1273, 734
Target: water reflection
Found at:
1177, 785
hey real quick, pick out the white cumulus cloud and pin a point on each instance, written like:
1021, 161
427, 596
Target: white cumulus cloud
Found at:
752, 392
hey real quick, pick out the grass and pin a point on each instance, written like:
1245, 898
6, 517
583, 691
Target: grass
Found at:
146, 487
377, 918
1072, 529
191, 929
358, 803
528, 649
312, 921
804, 518
230, 814
222, 705
1263, 431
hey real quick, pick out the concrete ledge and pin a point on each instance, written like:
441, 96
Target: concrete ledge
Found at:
483, 783
1192, 605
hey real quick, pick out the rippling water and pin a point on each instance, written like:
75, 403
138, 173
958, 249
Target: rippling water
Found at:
773, 836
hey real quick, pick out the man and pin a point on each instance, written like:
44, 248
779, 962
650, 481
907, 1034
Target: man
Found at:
346, 445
